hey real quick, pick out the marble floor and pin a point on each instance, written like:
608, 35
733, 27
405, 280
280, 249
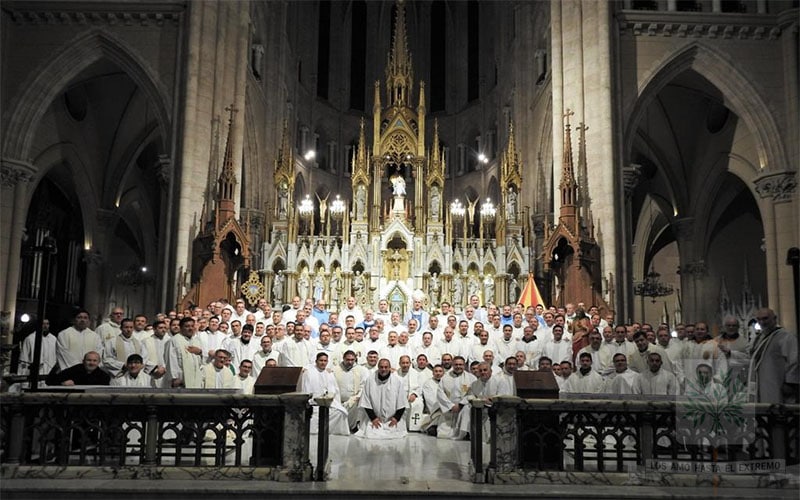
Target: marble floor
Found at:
417, 457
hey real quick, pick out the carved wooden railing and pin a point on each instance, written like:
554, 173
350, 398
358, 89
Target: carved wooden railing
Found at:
155, 435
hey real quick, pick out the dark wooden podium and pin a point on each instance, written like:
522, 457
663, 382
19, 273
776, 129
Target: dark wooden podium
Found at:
541, 444
277, 380
536, 385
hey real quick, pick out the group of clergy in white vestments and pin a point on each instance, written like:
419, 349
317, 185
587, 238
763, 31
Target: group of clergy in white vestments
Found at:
384, 375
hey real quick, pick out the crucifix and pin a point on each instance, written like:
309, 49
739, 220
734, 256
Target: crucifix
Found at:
396, 258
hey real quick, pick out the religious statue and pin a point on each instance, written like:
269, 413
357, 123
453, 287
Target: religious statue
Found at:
361, 202
488, 290
358, 285
283, 199
435, 202
277, 288
511, 205
434, 289
458, 292
319, 286
512, 290
302, 286
398, 185
473, 286
334, 285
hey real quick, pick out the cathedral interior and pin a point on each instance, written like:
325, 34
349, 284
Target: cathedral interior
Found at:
637, 155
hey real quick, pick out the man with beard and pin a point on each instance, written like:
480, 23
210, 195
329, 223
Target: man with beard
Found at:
384, 402
243, 347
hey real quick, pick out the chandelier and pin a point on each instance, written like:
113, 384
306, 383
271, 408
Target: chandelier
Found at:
457, 210
488, 211
338, 208
306, 208
652, 286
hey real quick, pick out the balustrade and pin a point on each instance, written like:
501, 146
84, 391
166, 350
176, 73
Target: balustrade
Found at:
188, 434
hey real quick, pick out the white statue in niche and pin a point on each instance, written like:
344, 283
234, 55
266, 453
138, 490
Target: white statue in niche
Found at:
434, 289
488, 290
511, 205
303, 285
277, 288
361, 202
435, 202
458, 292
398, 185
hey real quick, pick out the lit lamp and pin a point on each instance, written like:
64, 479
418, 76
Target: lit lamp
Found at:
337, 210
306, 211
457, 212
488, 212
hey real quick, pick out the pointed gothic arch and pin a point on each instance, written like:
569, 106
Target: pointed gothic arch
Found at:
49, 79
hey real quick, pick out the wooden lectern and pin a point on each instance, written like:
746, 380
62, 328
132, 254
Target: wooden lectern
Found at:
536, 385
277, 380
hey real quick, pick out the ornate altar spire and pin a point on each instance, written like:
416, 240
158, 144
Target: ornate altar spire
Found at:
399, 70
436, 161
360, 166
511, 170
568, 185
226, 184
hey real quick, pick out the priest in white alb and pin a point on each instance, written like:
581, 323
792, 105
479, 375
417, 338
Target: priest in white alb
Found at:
384, 402
317, 381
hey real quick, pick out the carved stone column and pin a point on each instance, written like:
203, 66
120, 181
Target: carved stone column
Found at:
99, 279
15, 177
630, 179
778, 205
693, 271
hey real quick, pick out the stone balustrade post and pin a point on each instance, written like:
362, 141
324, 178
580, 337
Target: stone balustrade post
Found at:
295, 465
505, 435
324, 403
476, 440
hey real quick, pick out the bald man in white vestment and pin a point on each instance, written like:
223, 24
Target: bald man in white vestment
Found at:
318, 381
485, 388
384, 402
